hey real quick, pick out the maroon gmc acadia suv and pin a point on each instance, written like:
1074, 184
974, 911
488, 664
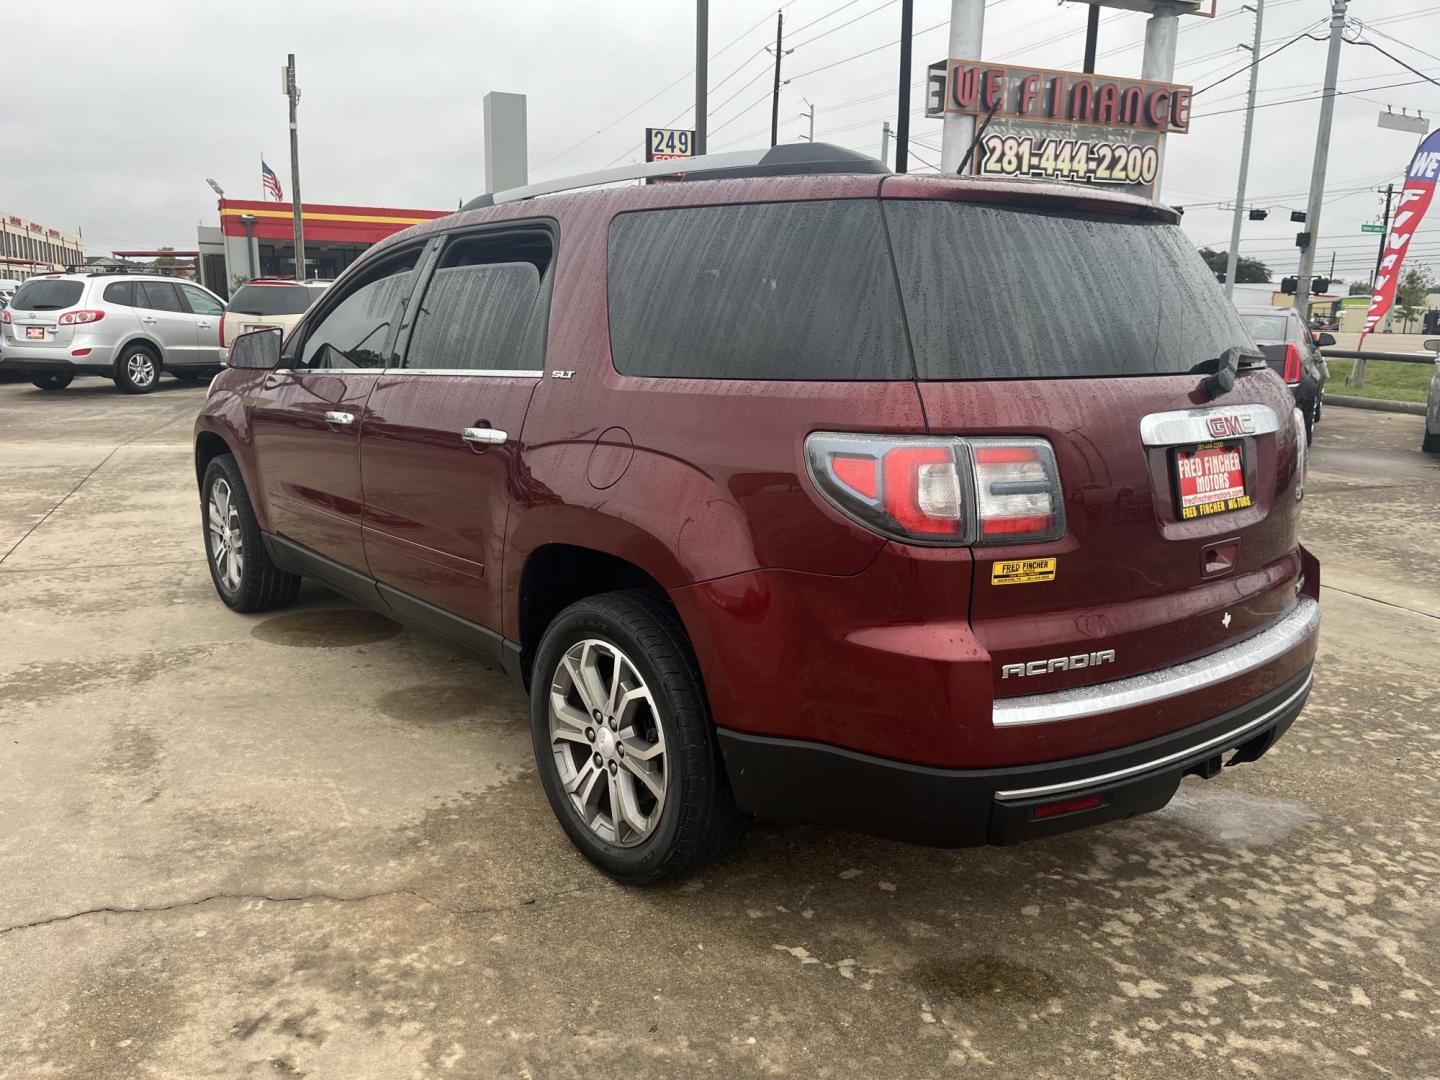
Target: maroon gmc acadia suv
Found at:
949, 510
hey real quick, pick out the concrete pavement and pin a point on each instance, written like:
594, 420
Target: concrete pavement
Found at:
312, 844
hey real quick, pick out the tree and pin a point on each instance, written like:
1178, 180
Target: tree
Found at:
1410, 296
1247, 271
1359, 288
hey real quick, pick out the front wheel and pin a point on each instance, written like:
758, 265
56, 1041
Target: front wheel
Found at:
240, 567
57, 381
624, 741
137, 370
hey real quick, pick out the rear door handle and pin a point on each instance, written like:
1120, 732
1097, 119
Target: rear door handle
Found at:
484, 436
342, 418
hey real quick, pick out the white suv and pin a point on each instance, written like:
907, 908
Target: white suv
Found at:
127, 327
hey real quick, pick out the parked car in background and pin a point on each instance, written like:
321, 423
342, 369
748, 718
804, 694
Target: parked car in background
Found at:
955, 510
8, 286
1294, 352
127, 327
266, 303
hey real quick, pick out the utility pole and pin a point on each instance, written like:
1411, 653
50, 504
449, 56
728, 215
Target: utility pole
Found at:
1384, 235
1234, 257
293, 93
702, 72
811, 115
1322, 155
885, 143
902, 122
967, 33
775, 96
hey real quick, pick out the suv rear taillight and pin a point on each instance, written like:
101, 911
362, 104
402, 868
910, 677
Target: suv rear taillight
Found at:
222, 329
1292, 364
927, 490
4, 315
75, 318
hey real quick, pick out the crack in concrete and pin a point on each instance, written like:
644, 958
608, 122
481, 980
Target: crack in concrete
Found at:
1377, 600
307, 897
180, 905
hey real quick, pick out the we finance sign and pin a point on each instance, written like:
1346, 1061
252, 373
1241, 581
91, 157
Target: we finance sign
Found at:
1062, 125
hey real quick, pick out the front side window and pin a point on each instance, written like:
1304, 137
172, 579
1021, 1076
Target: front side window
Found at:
354, 333
200, 301
759, 291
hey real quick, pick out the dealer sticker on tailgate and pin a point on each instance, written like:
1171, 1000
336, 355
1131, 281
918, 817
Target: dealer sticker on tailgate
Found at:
1209, 479
1022, 571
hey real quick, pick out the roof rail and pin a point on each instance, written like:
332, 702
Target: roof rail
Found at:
787, 159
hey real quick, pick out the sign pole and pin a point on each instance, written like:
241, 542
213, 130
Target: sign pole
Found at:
293, 92
1232, 261
702, 72
775, 95
967, 33
902, 120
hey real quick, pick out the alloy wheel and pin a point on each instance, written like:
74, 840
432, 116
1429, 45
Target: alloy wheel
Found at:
607, 741
141, 368
227, 546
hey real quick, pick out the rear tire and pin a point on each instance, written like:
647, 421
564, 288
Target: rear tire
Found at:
1431, 445
639, 736
240, 567
57, 381
138, 370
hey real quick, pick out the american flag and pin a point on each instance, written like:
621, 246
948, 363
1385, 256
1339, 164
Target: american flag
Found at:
270, 182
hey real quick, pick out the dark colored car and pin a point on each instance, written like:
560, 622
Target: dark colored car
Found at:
931, 507
1294, 352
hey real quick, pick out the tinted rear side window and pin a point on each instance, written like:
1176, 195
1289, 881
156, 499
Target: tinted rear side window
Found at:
478, 318
762, 291
157, 295
46, 295
998, 293
271, 300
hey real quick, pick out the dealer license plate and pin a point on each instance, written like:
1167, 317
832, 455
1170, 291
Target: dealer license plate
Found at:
1209, 479
34, 333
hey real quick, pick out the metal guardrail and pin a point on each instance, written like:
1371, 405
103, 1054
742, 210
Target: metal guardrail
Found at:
1357, 377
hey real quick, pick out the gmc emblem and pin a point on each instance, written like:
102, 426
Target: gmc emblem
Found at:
1227, 425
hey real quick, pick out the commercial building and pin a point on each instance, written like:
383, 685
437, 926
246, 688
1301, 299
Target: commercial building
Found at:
257, 239
28, 248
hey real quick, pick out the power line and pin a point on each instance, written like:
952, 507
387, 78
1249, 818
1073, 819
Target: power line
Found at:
1256, 60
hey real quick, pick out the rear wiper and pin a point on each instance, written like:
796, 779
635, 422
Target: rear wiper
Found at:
1226, 367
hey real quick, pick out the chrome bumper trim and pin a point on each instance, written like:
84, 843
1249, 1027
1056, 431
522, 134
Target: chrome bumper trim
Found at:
1222, 741
1293, 629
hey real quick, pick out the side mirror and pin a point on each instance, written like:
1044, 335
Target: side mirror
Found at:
1432, 344
258, 350
1324, 340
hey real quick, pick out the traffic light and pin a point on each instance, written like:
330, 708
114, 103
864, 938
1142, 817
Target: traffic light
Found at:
1319, 285
1288, 285
1258, 213
1298, 215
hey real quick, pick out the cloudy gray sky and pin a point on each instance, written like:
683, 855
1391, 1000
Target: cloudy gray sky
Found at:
116, 121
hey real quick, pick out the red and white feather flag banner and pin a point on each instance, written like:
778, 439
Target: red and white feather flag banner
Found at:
1415, 199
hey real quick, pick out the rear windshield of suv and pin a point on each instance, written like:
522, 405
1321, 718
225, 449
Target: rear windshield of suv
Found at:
758, 291
46, 295
1001, 293
271, 300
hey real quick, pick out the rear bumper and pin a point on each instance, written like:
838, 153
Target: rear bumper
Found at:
13, 360
789, 779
